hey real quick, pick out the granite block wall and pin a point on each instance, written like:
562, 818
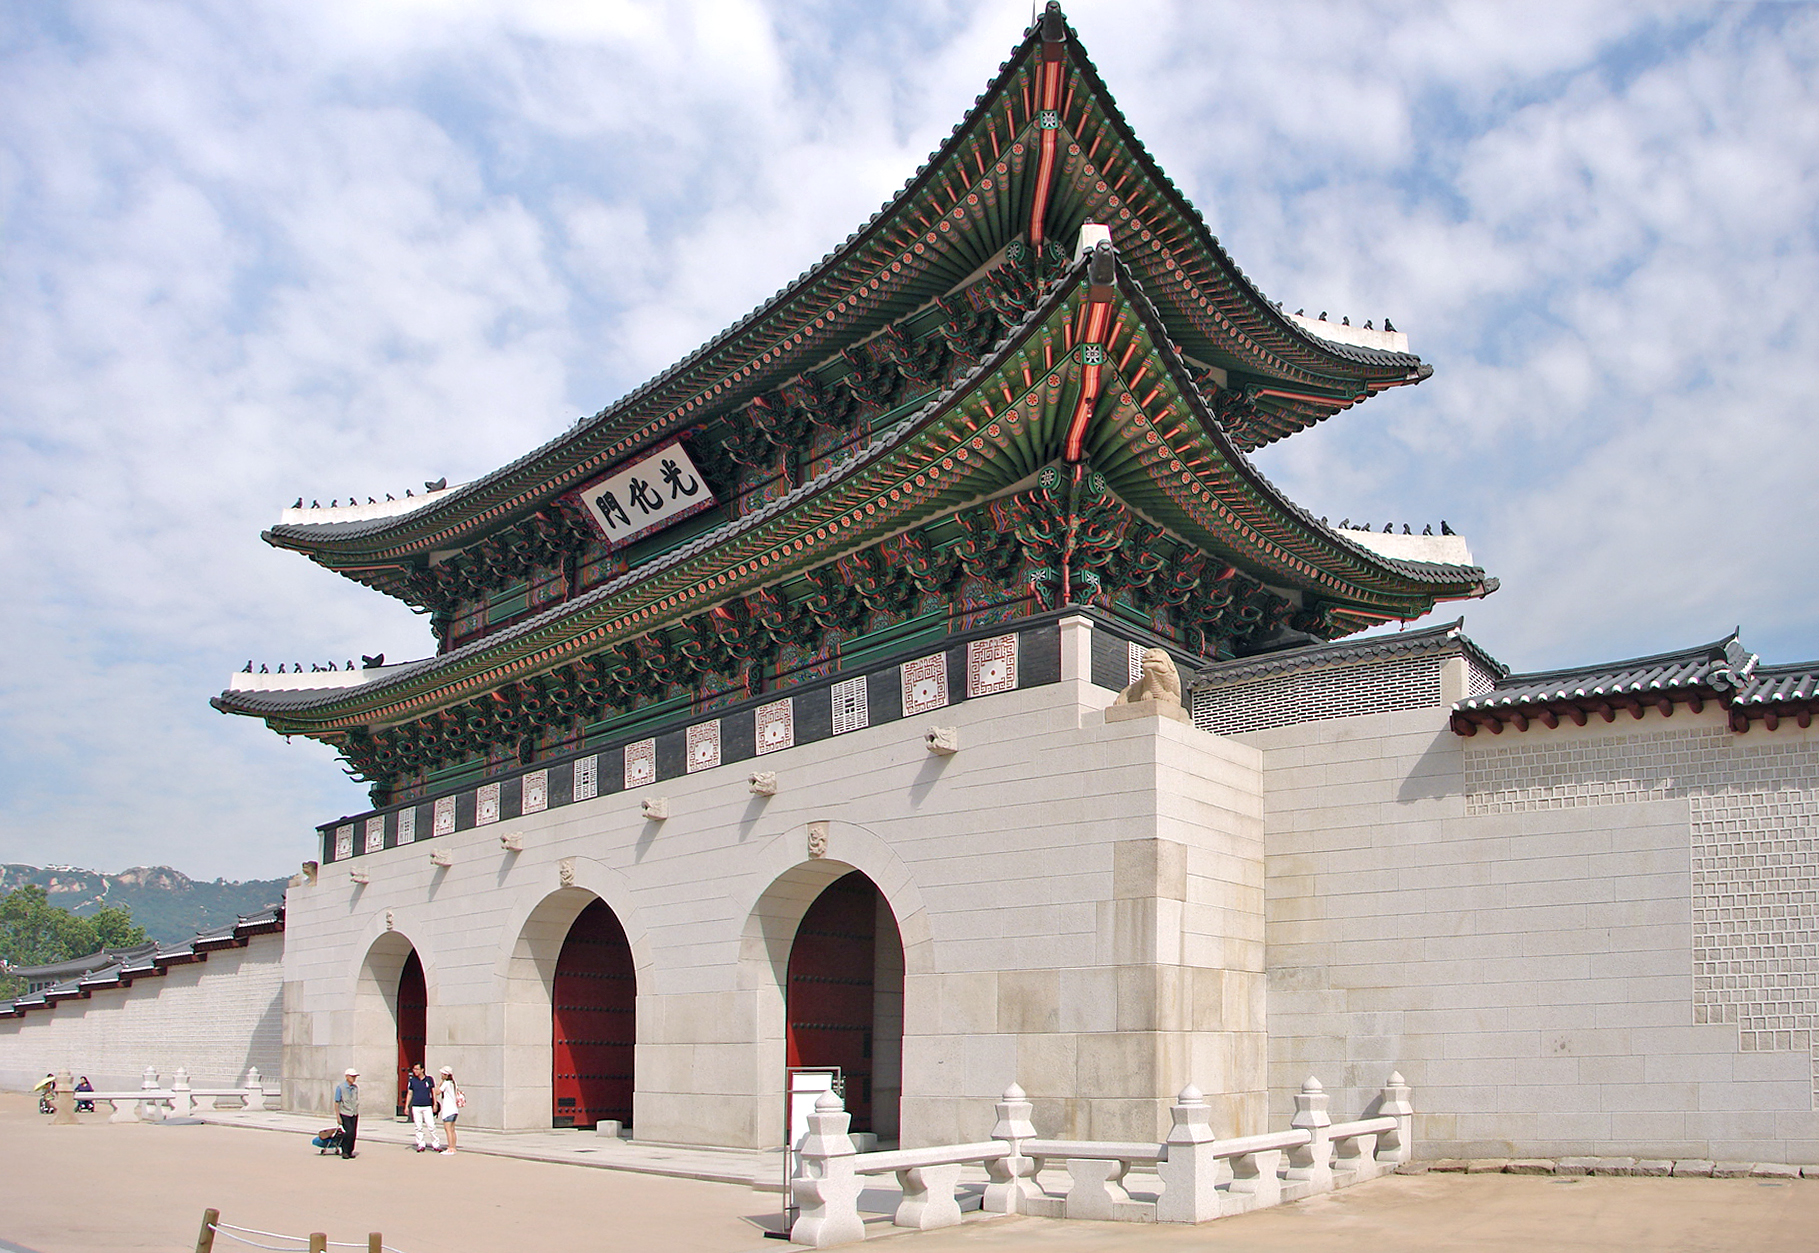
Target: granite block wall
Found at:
1079, 905
214, 1018
1594, 940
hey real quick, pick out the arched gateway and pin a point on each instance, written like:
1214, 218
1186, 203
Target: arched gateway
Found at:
593, 1022
413, 1021
844, 999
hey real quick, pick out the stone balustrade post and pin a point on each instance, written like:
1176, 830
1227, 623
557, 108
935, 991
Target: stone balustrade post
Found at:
825, 1189
1013, 1176
182, 1103
1312, 1163
63, 1100
1191, 1175
150, 1111
1396, 1147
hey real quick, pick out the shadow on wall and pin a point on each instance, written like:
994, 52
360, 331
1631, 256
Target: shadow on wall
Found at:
1438, 773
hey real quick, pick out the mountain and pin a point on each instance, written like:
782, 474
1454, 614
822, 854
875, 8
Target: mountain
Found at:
169, 904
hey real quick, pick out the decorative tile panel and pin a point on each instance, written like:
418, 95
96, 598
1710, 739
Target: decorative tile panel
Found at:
703, 740
850, 708
587, 778
344, 842
924, 684
991, 665
775, 726
407, 824
445, 816
536, 792
486, 804
641, 763
375, 833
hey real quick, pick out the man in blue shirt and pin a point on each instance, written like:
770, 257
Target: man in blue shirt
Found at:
347, 1107
423, 1109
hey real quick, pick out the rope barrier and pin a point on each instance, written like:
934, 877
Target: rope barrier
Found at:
254, 1231
300, 1241
212, 1226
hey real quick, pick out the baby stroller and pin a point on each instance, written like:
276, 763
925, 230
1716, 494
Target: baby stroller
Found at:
327, 1140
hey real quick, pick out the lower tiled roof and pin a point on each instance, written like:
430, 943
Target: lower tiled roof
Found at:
144, 961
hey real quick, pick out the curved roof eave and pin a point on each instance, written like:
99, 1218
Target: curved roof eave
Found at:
1335, 538
398, 679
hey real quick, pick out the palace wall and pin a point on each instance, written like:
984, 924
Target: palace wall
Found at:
1598, 940
1080, 905
215, 1018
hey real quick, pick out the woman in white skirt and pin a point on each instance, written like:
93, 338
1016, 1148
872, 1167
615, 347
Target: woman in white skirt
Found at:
448, 1105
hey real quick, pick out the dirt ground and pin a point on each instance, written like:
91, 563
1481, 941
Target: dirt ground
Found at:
103, 1187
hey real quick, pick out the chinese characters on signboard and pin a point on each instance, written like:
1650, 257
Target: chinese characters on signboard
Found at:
660, 488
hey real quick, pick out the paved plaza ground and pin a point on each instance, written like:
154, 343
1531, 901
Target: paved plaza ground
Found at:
107, 1187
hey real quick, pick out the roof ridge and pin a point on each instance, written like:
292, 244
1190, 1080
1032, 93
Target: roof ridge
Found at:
1715, 651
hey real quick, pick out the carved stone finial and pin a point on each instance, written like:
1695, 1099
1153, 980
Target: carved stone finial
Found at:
764, 783
359, 876
943, 741
441, 857
656, 808
817, 839
512, 842
565, 872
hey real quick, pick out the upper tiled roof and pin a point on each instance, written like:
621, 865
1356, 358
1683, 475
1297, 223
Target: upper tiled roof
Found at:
1212, 307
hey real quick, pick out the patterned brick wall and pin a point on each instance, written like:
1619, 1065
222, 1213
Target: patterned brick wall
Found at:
1541, 771
1311, 695
1756, 918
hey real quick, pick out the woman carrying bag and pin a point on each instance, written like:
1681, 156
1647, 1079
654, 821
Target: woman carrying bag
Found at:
449, 1100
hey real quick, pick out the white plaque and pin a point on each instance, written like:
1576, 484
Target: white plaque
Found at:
657, 490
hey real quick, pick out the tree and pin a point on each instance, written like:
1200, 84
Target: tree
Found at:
34, 932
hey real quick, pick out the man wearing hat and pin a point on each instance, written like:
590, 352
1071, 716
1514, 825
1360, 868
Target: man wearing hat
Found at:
347, 1105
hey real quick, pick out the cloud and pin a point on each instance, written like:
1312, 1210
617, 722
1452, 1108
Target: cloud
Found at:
337, 249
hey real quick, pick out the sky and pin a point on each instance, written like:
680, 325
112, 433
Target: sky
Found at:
331, 249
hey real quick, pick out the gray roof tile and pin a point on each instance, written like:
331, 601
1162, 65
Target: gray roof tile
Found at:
1718, 668
1447, 637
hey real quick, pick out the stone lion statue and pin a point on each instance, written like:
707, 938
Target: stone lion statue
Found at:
1160, 681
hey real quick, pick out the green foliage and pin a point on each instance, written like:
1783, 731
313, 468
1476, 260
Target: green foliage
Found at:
34, 932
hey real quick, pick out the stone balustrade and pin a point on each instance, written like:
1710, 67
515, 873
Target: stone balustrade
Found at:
1201, 1176
151, 1102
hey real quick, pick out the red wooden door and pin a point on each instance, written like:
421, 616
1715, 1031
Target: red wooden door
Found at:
413, 1017
829, 1000
593, 1022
